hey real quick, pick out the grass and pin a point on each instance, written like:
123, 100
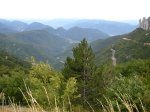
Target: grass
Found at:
123, 102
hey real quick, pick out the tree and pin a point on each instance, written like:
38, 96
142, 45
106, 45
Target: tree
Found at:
82, 67
48, 86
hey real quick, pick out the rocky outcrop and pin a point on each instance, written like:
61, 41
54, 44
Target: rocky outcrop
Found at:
145, 23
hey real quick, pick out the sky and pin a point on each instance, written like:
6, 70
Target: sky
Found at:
75, 9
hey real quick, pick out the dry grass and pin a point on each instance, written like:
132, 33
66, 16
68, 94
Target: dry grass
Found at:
33, 106
123, 100
15, 109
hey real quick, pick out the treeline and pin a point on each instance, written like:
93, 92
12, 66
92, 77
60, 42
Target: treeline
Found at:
80, 84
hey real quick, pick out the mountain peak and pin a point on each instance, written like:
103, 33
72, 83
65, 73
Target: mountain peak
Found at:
36, 26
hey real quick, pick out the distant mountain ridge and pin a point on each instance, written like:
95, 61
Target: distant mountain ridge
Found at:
108, 27
70, 34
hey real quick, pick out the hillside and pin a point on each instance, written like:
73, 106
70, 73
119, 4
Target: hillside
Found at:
42, 40
21, 50
134, 45
102, 48
40, 44
8, 62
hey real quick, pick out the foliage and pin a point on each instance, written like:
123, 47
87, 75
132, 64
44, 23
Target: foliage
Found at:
45, 83
131, 78
70, 90
126, 50
82, 84
10, 82
82, 67
12, 73
38, 43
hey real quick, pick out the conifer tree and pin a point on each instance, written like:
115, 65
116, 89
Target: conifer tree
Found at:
82, 67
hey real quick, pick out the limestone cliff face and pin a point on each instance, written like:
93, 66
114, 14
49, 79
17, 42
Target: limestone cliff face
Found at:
145, 23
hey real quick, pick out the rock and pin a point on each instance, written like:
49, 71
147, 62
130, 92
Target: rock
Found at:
145, 23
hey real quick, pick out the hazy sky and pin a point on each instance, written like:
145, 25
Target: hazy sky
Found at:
78, 9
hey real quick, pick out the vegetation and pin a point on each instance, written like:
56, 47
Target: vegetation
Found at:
134, 48
82, 67
38, 43
129, 46
81, 85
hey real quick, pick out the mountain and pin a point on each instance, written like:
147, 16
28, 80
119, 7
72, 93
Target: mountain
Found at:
108, 27
42, 40
73, 34
35, 26
78, 34
11, 26
38, 43
46, 43
5, 29
19, 49
135, 45
17, 25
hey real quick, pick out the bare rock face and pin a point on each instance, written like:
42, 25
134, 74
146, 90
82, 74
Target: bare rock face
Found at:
145, 23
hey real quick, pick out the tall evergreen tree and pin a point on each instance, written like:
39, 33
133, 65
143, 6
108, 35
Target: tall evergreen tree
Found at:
82, 67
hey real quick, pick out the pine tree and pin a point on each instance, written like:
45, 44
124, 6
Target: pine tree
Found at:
82, 67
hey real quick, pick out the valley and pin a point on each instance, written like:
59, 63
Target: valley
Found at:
73, 66
74, 56
46, 43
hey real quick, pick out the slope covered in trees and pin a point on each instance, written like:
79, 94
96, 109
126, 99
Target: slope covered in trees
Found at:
11, 61
81, 85
40, 44
134, 45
